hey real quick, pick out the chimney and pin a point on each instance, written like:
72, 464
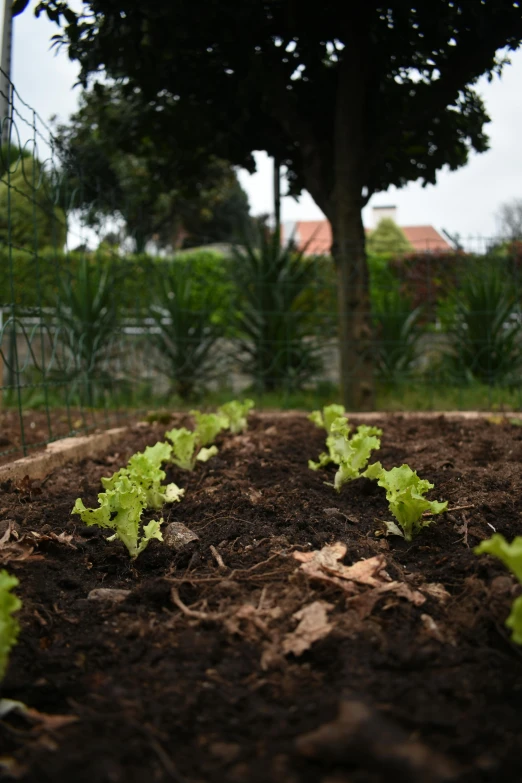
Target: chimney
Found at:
383, 212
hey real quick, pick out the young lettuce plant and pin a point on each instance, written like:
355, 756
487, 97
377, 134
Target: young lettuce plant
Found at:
186, 449
120, 510
236, 413
327, 416
143, 469
9, 627
339, 433
405, 495
355, 454
511, 556
208, 425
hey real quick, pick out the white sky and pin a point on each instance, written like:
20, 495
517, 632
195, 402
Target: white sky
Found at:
463, 202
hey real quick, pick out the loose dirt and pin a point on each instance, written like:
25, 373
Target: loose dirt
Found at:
264, 650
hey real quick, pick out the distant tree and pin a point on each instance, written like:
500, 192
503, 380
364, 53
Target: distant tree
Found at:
509, 219
29, 214
388, 237
351, 97
115, 169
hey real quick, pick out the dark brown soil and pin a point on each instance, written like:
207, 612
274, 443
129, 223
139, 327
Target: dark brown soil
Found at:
192, 678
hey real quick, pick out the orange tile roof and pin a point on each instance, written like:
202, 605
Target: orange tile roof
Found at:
316, 236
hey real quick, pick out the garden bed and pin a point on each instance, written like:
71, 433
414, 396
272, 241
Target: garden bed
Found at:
198, 674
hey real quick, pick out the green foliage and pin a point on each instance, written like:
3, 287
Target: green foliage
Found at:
29, 215
9, 627
236, 413
208, 425
327, 416
388, 237
186, 328
511, 556
88, 323
276, 345
351, 454
405, 494
144, 471
115, 169
355, 455
485, 327
186, 449
120, 509
398, 331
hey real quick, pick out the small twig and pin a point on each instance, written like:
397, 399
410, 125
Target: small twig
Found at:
461, 508
191, 612
219, 559
261, 599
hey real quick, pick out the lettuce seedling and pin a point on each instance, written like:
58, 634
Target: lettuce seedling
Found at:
236, 413
120, 510
143, 469
327, 416
511, 556
404, 493
208, 425
9, 627
337, 440
356, 452
186, 449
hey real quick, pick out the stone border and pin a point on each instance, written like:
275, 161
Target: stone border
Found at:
58, 453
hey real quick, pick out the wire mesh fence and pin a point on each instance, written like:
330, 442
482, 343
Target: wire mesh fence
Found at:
92, 331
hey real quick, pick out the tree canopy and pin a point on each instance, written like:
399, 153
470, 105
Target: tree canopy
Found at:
114, 167
387, 237
350, 97
29, 213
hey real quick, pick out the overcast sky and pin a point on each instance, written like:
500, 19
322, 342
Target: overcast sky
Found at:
463, 202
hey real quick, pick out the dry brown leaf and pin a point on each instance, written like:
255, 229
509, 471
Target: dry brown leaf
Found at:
324, 565
61, 538
313, 625
16, 549
436, 590
363, 604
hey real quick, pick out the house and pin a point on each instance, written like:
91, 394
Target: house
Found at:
316, 235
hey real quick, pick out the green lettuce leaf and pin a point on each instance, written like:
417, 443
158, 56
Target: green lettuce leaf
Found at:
405, 495
208, 425
354, 457
120, 510
186, 448
144, 471
236, 414
511, 556
336, 442
327, 416
9, 627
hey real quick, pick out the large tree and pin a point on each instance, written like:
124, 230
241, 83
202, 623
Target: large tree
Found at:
352, 97
122, 160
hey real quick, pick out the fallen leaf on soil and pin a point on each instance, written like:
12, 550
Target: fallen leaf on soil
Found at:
361, 736
16, 549
324, 565
364, 603
313, 626
61, 538
435, 590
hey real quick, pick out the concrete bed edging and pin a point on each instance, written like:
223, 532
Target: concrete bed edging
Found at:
60, 452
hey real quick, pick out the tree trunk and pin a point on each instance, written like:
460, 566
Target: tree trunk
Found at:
355, 329
277, 196
350, 166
